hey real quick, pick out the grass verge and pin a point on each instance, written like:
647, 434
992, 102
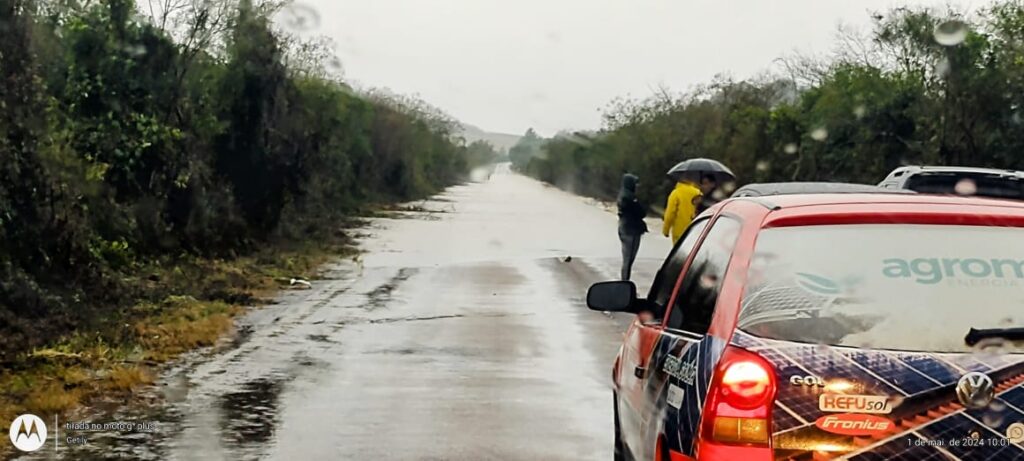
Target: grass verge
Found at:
196, 300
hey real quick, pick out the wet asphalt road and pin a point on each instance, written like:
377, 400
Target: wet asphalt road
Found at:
459, 334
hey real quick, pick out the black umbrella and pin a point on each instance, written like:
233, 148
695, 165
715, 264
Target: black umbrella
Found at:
702, 166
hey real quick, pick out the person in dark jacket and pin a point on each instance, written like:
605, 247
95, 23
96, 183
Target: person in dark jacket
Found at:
708, 184
631, 222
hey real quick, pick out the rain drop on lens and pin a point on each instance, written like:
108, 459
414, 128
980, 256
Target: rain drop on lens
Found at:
966, 186
718, 194
991, 347
951, 33
299, 17
762, 166
819, 134
942, 68
790, 148
992, 419
860, 112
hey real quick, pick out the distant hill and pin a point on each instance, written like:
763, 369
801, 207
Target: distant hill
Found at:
500, 141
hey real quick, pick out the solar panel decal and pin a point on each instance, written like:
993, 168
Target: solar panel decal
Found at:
998, 361
893, 372
1013, 451
900, 450
998, 416
826, 363
885, 379
744, 340
940, 371
958, 427
965, 362
801, 400
784, 418
1014, 396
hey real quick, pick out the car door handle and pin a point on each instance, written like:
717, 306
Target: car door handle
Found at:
640, 372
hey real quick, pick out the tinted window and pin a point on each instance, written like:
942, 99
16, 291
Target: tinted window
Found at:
977, 184
665, 280
703, 282
871, 285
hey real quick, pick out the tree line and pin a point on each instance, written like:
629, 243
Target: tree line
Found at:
922, 87
128, 134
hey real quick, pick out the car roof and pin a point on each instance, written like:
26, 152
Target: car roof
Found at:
926, 169
790, 188
854, 208
810, 200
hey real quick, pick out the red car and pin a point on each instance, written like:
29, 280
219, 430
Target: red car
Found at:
862, 326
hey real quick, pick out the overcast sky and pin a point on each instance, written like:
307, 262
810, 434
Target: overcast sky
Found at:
506, 65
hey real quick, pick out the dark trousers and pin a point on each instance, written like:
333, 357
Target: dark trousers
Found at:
630, 247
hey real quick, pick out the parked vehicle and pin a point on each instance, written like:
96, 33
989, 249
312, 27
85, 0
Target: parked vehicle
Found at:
783, 327
981, 182
789, 188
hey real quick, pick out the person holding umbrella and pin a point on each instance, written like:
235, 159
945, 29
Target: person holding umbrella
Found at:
681, 207
708, 184
631, 222
687, 196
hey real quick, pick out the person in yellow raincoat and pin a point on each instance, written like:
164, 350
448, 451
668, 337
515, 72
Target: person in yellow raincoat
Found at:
681, 208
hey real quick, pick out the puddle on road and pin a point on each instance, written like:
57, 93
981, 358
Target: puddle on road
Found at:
320, 339
250, 416
415, 319
380, 296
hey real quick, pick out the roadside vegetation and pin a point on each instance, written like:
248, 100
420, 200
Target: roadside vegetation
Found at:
161, 169
922, 87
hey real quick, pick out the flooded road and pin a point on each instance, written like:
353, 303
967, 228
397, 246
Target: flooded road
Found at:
460, 333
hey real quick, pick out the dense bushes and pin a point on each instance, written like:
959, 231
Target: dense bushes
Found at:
898, 96
126, 139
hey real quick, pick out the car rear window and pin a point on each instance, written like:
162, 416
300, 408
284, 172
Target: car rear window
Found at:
983, 185
887, 286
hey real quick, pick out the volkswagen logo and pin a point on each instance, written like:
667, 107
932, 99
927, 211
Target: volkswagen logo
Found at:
975, 390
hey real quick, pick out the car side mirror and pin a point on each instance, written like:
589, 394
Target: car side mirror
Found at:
617, 296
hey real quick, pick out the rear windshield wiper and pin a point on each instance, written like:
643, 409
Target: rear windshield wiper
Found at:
976, 335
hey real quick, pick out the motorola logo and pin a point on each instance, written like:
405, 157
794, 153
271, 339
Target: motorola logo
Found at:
28, 432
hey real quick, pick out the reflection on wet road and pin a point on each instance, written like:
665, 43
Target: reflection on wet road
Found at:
460, 333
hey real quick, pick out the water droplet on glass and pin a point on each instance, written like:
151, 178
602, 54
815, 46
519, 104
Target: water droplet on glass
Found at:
966, 186
334, 64
990, 347
942, 68
729, 187
718, 194
992, 419
951, 33
762, 166
299, 17
575, 139
860, 112
790, 148
135, 51
819, 134
997, 405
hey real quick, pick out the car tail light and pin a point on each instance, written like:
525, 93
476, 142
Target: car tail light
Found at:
739, 406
